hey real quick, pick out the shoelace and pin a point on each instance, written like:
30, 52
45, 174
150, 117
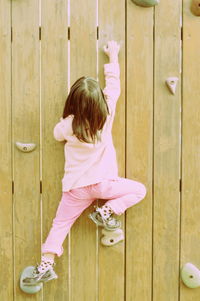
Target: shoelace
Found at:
35, 271
103, 218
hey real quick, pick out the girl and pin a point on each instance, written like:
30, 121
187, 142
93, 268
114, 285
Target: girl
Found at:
91, 171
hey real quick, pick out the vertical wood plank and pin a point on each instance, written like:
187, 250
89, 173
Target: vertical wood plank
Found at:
26, 129
167, 133
83, 234
6, 246
111, 15
139, 149
54, 71
136, 129
190, 230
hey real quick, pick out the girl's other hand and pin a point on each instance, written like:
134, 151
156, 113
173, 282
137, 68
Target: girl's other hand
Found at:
112, 49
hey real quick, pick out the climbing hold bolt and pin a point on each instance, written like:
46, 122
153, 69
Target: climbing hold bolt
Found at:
146, 3
171, 83
25, 147
190, 275
195, 7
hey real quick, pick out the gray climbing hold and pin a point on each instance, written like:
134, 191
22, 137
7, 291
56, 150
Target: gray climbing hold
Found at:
27, 272
190, 275
146, 3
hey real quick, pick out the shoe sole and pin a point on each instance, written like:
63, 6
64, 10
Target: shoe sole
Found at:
98, 223
40, 281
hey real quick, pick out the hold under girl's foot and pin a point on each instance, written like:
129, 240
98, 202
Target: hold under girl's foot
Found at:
108, 222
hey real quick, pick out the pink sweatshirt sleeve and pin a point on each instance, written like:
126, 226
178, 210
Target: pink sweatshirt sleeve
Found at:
112, 79
58, 131
62, 129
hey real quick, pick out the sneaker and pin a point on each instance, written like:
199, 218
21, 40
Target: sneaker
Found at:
109, 223
38, 277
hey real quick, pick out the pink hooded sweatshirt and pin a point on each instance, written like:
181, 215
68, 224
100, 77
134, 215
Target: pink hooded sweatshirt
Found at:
87, 163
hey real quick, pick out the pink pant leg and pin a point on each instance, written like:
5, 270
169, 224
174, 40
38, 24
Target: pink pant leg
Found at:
122, 193
69, 209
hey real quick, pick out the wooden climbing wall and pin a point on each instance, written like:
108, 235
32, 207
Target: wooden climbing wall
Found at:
45, 46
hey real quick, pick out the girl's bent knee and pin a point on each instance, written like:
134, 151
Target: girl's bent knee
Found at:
143, 191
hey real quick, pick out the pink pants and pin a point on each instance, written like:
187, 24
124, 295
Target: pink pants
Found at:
121, 194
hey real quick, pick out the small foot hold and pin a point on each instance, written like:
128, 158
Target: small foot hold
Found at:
27, 272
171, 83
146, 3
190, 275
111, 238
195, 7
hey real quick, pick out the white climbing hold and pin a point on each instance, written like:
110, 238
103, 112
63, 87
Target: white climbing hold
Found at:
190, 275
25, 147
171, 83
111, 238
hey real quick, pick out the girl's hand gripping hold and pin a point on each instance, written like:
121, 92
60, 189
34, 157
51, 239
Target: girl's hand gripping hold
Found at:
112, 50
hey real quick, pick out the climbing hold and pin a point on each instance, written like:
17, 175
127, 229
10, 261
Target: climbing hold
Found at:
111, 238
195, 7
171, 83
146, 3
25, 147
27, 272
190, 275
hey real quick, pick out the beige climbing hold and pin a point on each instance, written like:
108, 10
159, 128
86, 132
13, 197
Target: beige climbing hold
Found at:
171, 83
111, 238
25, 147
190, 275
195, 7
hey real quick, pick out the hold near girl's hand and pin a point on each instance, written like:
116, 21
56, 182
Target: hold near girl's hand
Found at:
112, 50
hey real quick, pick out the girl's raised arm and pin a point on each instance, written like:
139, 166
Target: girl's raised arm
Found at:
112, 74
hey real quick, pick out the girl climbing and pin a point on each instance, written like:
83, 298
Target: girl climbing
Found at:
91, 171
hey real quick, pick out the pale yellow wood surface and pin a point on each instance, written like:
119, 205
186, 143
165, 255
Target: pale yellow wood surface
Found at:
83, 259
147, 136
6, 246
139, 150
190, 215
54, 73
26, 129
167, 131
111, 260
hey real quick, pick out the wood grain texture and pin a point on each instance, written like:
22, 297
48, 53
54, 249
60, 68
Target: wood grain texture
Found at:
190, 226
156, 135
26, 128
111, 15
139, 143
54, 79
6, 246
83, 59
167, 132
